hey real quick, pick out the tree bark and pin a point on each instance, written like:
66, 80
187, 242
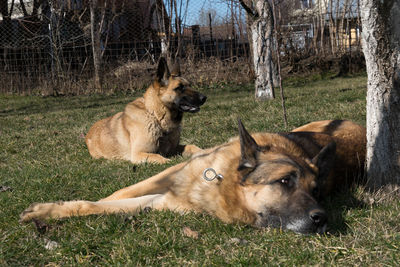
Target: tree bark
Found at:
261, 30
261, 41
381, 46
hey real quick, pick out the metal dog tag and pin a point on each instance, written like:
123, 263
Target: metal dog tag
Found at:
210, 174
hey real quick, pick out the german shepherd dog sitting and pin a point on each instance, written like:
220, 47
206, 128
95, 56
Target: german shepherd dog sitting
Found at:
148, 130
263, 179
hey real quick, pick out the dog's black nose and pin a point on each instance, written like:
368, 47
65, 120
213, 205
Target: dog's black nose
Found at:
202, 98
318, 217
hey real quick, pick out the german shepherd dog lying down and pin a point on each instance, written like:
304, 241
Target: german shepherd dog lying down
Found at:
149, 128
263, 179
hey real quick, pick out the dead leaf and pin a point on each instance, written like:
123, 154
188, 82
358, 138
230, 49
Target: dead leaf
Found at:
50, 245
4, 188
190, 233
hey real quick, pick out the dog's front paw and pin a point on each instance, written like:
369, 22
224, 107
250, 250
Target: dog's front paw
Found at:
162, 160
36, 211
148, 158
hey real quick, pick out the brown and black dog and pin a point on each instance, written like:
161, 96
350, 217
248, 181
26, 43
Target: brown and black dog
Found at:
263, 179
149, 128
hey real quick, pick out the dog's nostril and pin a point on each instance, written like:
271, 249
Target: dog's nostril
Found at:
318, 217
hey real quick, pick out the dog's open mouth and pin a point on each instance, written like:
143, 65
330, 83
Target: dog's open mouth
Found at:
191, 104
186, 107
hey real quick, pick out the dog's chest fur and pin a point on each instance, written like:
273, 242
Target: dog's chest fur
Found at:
166, 139
162, 127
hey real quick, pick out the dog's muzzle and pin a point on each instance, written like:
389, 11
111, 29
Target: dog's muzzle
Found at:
315, 222
191, 104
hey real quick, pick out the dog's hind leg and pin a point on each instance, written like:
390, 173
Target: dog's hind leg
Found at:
157, 184
83, 208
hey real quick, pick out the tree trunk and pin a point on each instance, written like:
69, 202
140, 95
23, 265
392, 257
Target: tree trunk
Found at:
96, 43
261, 33
278, 60
260, 19
322, 11
164, 25
4, 9
249, 22
6, 30
342, 31
381, 46
331, 29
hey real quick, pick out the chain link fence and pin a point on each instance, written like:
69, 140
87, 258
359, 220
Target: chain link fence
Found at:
57, 47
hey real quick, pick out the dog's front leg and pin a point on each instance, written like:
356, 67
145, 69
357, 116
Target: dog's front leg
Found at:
141, 157
83, 208
157, 184
138, 146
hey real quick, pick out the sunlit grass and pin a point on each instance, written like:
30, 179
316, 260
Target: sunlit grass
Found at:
43, 157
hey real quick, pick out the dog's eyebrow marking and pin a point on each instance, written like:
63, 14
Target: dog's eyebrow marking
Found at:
288, 161
261, 177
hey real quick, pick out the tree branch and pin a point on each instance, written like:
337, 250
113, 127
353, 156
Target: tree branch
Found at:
21, 2
249, 11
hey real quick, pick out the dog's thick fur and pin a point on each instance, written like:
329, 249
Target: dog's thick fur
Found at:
268, 180
148, 130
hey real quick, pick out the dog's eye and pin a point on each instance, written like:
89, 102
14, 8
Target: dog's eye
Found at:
287, 180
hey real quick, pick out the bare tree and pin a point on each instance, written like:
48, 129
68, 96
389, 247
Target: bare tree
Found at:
204, 17
278, 59
381, 46
95, 31
171, 17
164, 24
6, 16
4, 9
345, 11
332, 32
261, 23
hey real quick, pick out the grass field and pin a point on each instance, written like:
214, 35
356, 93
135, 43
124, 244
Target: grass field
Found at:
43, 158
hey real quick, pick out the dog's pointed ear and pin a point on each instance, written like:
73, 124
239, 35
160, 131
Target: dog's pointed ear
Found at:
162, 71
248, 149
325, 160
176, 69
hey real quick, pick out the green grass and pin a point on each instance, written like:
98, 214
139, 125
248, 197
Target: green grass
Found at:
43, 158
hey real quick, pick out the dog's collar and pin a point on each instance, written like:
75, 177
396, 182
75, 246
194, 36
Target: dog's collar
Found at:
210, 174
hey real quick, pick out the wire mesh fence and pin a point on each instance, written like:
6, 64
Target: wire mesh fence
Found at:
80, 46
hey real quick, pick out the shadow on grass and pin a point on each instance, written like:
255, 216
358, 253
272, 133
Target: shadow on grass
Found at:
337, 206
54, 105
